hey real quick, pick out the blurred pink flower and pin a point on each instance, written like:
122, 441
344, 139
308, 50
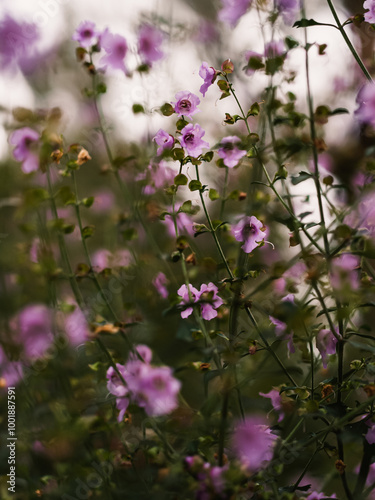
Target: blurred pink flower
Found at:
254, 60
229, 151
366, 105
184, 223
191, 140
104, 201
103, 259
164, 141
276, 401
150, 40
17, 42
86, 34
344, 271
275, 48
26, 141
159, 283
253, 443
186, 104
250, 231
208, 73
326, 344
76, 327
116, 49
370, 15
35, 330
288, 9
318, 496
233, 10
11, 372
281, 327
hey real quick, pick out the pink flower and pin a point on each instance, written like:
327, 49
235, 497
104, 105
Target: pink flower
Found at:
187, 299
253, 443
254, 62
344, 272
186, 104
276, 401
35, 330
249, 230
208, 295
370, 15
326, 344
150, 40
184, 223
370, 435
233, 10
230, 153
288, 10
273, 49
26, 141
11, 372
318, 496
208, 74
86, 34
114, 383
76, 327
191, 140
159, 283
366, 105
116, 49
103, 259
281, 327
164, 141
17, 43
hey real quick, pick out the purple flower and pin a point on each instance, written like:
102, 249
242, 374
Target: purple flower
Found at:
233, 10
276, 401
208, 73
370, 435
191, 140
186, 104
275, 48
253, 443
254, 62
366, 105
326, 344
187, 299
159, 283
11, 372
211, 301
288, 10
230, 153
103, 259
35, 330
164, 141
86, 34
76, 327
114, 383
370, 15
17, 42
212, 483
318, 496
344, 273
26, 140
116, 49
183, 221
150, 40
251, 231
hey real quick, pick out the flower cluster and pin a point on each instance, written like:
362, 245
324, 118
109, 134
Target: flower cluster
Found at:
207, 297
153, 388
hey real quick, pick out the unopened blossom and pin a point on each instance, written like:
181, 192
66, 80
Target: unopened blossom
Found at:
186, 104
326, 344
254, 61
208, 73
250, 231
189, 295
253, 443
210, 301
365, 112
274, 48
86, 34
116, 49
344, 271
288, 9
35, 325
230, 152
26, 141
83, 157
370, 14
159, 283
232, 11
163, 140
191, 140
17, 42
150, 40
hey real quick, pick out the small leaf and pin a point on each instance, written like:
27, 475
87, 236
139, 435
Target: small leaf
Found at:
88, 231
180, 180
167, 109
195, 185
138, 108
208, 156
291, 42
181, 123
188, 208
223, 85
302, 176
101, 88
88, 202
305, 23
178, 154
254, 110
213, 194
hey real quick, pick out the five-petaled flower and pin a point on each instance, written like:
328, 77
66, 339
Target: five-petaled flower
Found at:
186, 104
230, 152
250, 231
26, 140
191, 139
208, 73
86, 34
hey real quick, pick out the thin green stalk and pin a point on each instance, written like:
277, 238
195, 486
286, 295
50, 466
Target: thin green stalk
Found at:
224, 194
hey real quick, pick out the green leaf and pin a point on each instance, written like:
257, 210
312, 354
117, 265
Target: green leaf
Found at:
181, 123
291, 42
138, 108
178, 154
208, 156
68, 228
302, 176
129, 234
188, 208
305, 23
195, 185
95, 366
88, 231
167, 109
213, 194
254, 110
223, 85
101, 88
180, 180
339, 111
88, 202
